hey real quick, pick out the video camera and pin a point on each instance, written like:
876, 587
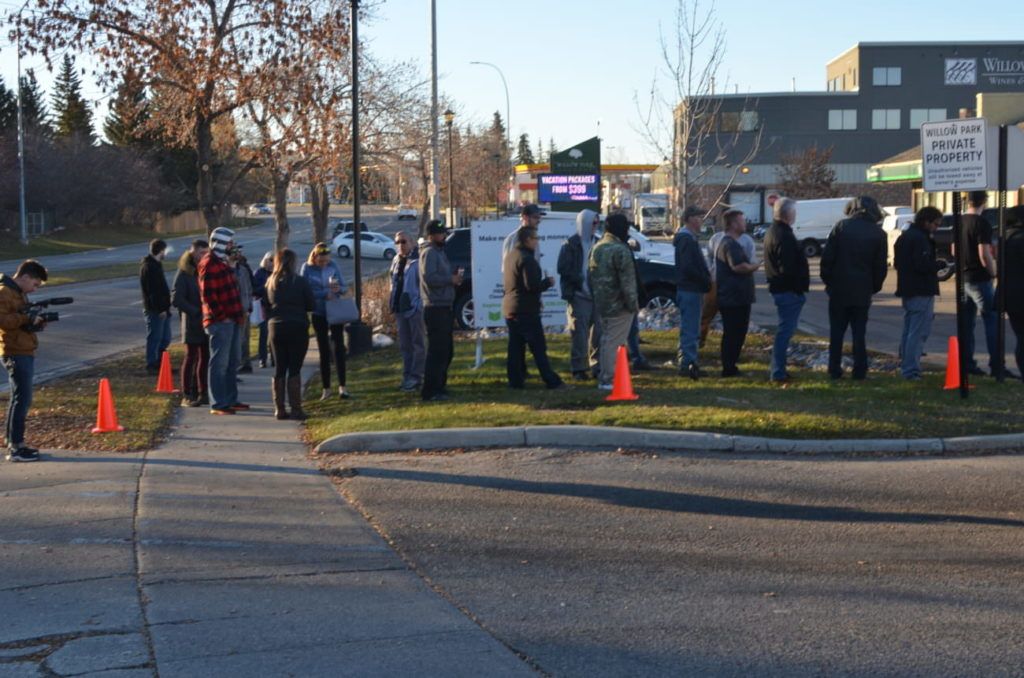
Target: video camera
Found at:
35, 311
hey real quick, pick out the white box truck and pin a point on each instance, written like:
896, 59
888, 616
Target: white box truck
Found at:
814, 221
650, 213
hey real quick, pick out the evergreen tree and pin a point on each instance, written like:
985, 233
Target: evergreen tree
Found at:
540, 151
552, 149
129, 112
524, 154
8, 108
71, 112
33, 107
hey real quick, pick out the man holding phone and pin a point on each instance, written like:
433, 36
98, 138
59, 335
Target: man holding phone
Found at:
437, 291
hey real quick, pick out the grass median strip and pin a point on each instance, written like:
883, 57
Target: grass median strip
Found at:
813, 406
64, 410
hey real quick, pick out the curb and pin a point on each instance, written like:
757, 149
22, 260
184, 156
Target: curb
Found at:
648, 439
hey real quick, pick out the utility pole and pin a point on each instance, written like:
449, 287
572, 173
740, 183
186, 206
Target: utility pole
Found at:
435, 170
22, 211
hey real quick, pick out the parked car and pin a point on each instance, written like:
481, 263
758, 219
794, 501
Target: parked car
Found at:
258, 208
407, 213
370, 245
657, 277
346, 226
814, 221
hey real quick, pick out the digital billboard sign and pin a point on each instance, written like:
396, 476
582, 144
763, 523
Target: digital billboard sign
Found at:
568, 187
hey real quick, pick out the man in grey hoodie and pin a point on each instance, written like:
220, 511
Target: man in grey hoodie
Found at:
584, 325
437, 291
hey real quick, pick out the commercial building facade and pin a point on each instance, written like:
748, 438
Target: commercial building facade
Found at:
877, 95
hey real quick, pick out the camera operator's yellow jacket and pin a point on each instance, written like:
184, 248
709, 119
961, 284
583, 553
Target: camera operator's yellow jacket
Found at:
14, 338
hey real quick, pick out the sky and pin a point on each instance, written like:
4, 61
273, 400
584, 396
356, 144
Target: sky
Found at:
573, 67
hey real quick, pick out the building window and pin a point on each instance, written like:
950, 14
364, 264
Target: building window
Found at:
842, 119
920, 115
749, 121
885, 118
887, 76
729, 122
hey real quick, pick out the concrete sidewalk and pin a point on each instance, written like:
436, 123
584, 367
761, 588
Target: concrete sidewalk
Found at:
223, 552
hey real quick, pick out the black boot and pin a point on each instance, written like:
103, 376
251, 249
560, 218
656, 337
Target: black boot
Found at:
280, 411
295, 397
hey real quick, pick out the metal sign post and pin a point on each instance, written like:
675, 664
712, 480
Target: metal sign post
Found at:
1000, 363
961, 297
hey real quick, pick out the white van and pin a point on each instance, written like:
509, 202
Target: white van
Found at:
814, 221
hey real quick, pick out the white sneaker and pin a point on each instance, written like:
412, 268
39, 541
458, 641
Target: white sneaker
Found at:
604, 387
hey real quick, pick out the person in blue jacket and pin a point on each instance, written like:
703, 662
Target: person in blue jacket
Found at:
324, 278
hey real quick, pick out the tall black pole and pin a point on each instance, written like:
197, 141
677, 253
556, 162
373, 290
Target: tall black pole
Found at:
357, 187
1000, 363
451, 178
961, 256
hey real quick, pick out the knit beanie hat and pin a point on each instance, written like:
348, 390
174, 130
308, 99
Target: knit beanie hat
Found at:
219, 239
618, 225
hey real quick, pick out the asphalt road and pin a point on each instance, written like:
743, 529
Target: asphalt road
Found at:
614, 564
106, 318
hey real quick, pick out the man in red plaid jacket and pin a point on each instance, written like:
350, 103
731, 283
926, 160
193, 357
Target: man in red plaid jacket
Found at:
223, 318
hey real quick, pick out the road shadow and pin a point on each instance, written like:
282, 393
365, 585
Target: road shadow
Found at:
685, 502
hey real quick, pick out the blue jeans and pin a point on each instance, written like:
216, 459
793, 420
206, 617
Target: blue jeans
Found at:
917, 325
788, 306
19, 375
633, 340
981, 296
158, 336
224, 351
689, 326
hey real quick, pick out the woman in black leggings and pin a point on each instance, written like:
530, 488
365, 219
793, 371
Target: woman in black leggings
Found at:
324, 278
290, 299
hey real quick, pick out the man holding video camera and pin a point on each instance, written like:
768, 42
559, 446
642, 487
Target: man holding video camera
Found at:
19, 323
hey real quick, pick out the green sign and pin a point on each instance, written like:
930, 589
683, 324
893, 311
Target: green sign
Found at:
583, 158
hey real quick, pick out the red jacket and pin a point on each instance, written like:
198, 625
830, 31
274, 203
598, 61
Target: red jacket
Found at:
218, 291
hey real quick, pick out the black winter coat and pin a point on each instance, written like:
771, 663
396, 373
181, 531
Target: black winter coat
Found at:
570, 268
186, 299
853, 264
692, 274
916, 266
524, 283
785, 264
156, 296
1013, 276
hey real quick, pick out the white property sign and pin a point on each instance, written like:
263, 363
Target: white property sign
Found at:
954, 155
488, 284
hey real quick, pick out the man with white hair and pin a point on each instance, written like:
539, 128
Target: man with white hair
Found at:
789, 279
223, 319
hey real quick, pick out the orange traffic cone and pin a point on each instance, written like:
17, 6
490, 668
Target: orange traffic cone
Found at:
622, 385
165, 382
106, 414
952, 365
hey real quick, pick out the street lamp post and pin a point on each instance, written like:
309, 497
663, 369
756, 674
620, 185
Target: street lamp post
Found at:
508, 122
449, 118
22, 213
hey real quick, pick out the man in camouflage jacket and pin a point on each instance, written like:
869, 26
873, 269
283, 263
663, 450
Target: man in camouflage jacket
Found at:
613, 284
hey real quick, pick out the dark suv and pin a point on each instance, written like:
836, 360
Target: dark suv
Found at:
657, 279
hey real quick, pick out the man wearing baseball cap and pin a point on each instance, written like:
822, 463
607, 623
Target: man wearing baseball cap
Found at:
437, 290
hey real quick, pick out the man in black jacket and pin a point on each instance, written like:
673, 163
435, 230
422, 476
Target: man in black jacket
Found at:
789, 279
521, 306
156, 304
853, 268
917, 284
584, 325
693, 281
1011, 280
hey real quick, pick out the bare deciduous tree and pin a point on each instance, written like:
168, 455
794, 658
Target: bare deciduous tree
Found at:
205, 58
806, 175
682, 120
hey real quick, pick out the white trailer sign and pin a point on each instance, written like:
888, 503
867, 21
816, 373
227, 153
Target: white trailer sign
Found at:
954, 155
